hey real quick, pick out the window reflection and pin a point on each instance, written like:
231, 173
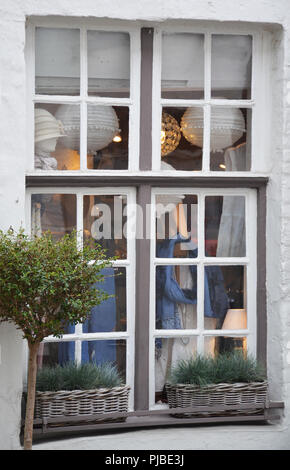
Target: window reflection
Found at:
231, 66
53, 212
106, 351
168, 351
110, 315
214, 345
57, 61
182, 66
104, 223
225, 298
108, 64
225, 226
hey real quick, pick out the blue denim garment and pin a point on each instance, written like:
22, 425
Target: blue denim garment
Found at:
102, 318
169, 293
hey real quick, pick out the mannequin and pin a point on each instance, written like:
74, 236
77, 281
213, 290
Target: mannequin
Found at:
47, 130
43, 160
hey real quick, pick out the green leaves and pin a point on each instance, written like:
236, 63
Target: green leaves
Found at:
44, 284
224, 368
73, 377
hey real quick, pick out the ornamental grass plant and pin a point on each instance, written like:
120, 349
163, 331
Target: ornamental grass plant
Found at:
71, 376
232, 367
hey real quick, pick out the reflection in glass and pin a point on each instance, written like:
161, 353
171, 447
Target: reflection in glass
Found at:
182, 66
52, 354
57, 61
105, 223
167, 352
230, 139
214, 345
108, 64
225, 297
176, 225
225, 226
176, 297
107, 137
231, 66
181, 138
53, 212
57, 137
106, 351
110, 315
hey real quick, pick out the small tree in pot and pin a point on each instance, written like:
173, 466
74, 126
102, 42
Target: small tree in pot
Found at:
44, 286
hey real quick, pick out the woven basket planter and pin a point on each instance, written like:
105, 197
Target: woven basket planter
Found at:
82, 403
185, 396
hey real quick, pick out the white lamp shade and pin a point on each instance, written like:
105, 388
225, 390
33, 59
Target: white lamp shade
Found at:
227, 126
236, 319
102, 126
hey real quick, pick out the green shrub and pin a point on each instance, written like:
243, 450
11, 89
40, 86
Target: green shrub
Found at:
78, 377
224, 368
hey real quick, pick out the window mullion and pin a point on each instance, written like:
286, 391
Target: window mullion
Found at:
200, 270
207, 95
83, 94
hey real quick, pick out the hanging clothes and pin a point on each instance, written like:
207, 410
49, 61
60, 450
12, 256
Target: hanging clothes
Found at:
169, 293
102, 319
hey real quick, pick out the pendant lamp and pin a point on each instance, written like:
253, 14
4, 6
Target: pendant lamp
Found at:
226, 127
170, 134
102, 126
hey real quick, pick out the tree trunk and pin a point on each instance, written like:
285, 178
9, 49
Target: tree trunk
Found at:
32, 370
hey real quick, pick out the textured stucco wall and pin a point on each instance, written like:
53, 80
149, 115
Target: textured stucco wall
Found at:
13, 14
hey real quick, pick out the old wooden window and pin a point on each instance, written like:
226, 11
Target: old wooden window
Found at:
180, 112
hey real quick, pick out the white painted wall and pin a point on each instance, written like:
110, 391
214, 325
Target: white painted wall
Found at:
13, 14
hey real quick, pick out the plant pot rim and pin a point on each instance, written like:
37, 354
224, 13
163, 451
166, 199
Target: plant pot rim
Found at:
210, 385
88, 390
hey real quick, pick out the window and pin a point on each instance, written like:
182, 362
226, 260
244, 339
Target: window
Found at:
149, 140
85, 92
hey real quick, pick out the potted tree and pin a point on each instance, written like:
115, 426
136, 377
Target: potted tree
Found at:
44, 286
229, 379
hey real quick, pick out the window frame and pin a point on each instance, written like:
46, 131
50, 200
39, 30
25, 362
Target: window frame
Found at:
249, 261
84, 99
146, 149
259, 102
129, 264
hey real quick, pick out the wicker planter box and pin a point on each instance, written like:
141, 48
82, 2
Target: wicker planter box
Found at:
222, 395
82, 403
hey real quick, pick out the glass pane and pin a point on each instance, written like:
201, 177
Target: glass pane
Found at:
57, 61
104, 351
214, 345
108, 64
225, 226
111, 314
167, 352
176, 297
57, 137
176, 225
182, 66
52, 354
181, 138
230, 139
105, 222
231, 66
53, 212
225, 297
107, 137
